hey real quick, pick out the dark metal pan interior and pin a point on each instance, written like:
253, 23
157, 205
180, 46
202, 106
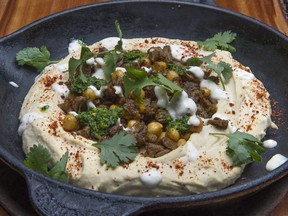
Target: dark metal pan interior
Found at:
261, 48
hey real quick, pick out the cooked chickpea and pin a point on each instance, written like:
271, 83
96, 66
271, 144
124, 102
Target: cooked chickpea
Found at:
90, 94
197, 129
146, 62
142, 95
181, 142
172, 75
70, 123
112, 107
159, 66
173, 134
131, 123
155, 128
141, 107
206, 92
117, 73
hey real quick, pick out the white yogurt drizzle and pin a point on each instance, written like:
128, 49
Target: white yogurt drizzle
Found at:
275, 162
177, 51
90, 61
99, 73
192, 153
14, 84
118, 90
74, 45
90, 105
62, 67
151, 179
243, 75
73, 113
270, 143
61, 90
216, 92
98, 93
178, 106
100, 61
197, 71
26, 120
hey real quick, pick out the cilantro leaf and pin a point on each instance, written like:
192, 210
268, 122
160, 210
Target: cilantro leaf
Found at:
75, 63
119, 45
120, 148
35, 57
167, 84
110, 63
221, 40
134, 81
39, 158
242, 147
222, 68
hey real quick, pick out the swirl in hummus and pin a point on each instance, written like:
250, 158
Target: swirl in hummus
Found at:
199, 164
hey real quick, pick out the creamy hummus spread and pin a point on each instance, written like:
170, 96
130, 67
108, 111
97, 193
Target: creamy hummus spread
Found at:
200, 165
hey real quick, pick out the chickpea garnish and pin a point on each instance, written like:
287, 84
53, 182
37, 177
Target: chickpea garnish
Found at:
112, 107
131, 123
155, 128
181, 142
173, 134
142, 95
197, 129
70, 123
206, 92
159, 66
90, 94
172, 75
117, 73
146, 62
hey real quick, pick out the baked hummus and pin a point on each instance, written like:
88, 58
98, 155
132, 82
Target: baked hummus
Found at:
164, 96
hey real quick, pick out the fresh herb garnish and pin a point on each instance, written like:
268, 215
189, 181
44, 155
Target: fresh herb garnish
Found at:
221, 40
119, 45
242, 147
120, 148
44, 108
135, 80
99, 120
222, 68
79, 84
38, 159
110, 63
74, 63
180, 125
178, 68
35, 57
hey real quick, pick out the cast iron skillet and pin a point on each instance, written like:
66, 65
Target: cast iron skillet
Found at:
258, 46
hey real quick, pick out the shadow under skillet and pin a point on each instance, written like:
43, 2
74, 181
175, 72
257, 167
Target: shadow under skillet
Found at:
15, 199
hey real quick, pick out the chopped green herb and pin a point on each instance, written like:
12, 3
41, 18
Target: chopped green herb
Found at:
38, 159
44, 108
221, 40
120, 148
242, 147
179, 124
79, 84
132, 55
178, 68
100, 120
35, 57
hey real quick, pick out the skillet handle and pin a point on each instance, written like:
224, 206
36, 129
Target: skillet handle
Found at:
52, 198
